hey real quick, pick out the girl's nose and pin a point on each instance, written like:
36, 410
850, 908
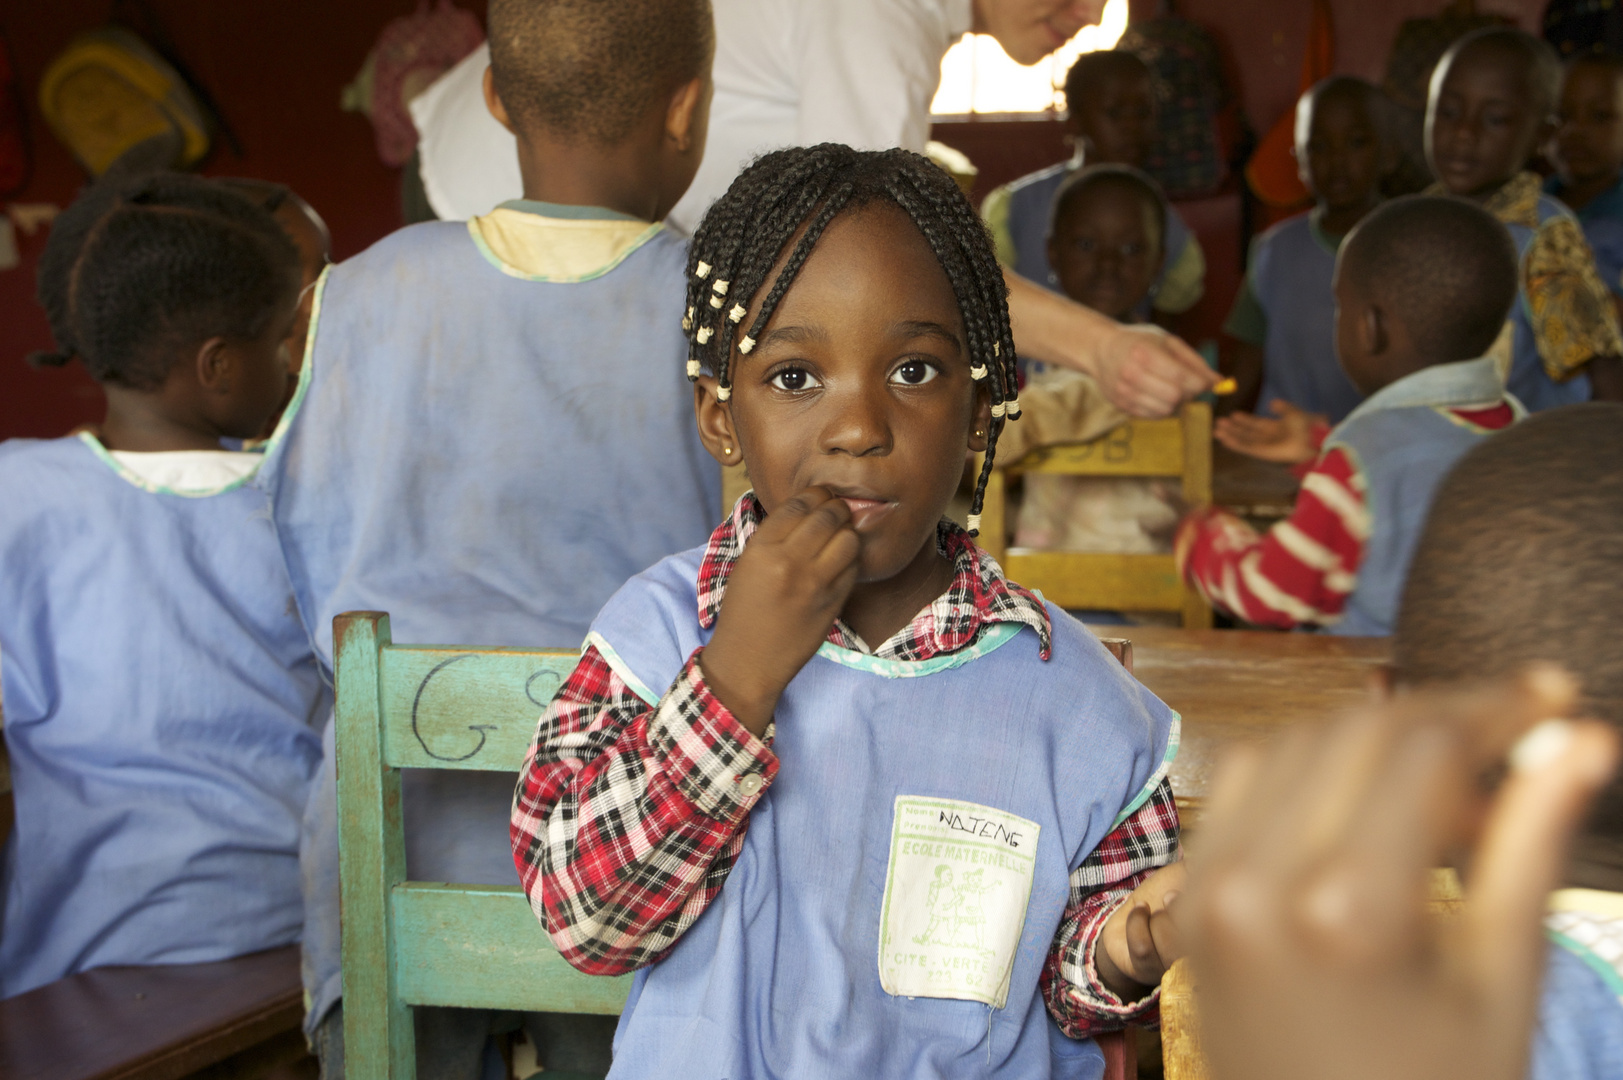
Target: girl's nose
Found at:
859, 423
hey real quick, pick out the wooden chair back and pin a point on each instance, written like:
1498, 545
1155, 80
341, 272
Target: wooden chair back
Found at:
1179, 447
409, 943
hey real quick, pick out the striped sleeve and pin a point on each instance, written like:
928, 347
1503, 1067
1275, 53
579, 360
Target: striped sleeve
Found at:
628, 816
1302, 570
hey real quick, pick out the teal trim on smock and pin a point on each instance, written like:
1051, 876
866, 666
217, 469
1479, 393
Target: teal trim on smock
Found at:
566, 211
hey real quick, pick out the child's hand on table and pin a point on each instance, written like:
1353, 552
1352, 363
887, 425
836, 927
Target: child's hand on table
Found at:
1306, 917
1139, 941
1286, 438
783, 596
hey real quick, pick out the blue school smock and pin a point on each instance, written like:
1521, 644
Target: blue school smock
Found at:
1031, 221
1404, 440
161, 699
1528, 380
486, 451
1602, 222
877, 921
1580, 1024
1292, 277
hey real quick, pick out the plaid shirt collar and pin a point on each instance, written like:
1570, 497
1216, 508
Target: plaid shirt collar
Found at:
978, 597
1516, 203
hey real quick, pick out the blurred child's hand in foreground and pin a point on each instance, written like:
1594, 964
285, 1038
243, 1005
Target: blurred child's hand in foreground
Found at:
1305, 913
1287, 437
1140, 940
783, 596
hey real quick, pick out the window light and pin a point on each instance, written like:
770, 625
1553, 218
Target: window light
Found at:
977, 76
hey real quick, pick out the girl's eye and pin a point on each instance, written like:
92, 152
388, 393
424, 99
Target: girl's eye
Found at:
914, 373
794, 379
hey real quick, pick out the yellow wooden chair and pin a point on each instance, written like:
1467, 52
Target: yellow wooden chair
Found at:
1179, 447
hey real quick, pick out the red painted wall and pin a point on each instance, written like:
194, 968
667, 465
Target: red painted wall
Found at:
276, 70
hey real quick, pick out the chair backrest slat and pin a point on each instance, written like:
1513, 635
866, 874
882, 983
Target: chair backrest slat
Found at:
460, 708
481, 947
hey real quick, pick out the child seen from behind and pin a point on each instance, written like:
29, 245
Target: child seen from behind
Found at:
1518, 563
484, 402
1492, 104
1422, 286
1110, 116
1283, 321
833, 757
161, 696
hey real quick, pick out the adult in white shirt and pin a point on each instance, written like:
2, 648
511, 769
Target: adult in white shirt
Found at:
861, 72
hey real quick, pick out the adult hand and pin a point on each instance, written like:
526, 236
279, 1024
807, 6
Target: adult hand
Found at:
1285, 437
1142, 370
1314, 955
782, 597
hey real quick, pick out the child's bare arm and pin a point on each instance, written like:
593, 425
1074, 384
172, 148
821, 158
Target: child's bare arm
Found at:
1306, 909
1291, 436
622, 832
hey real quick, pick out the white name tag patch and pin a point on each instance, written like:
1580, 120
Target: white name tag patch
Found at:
955, 899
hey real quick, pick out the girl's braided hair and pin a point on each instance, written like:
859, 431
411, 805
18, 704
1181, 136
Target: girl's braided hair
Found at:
135, 273
747, 229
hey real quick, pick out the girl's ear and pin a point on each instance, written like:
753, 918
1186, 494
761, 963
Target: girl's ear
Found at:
715, 419
215, 364
980, 419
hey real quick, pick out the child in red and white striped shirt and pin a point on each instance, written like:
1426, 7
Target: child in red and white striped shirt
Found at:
1422, 288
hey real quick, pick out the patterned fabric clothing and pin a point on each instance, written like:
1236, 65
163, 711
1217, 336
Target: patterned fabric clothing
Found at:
1567, 305
1602, 222
1303, 570
628, 816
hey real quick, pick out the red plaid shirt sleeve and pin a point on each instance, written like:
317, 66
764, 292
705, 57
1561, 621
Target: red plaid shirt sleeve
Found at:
629, 816
1076, 996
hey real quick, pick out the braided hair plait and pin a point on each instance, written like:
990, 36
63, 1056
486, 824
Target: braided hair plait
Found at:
136, 275
801, 190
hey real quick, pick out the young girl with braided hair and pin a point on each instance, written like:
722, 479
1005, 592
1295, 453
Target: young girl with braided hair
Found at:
848, 801
159, 687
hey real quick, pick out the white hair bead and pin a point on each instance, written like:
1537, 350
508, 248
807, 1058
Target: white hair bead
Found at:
997, 408
1014, 408
720, 287
687, 320
693, 369
746, 344
997, 348
977, 373
974, 523
737, 314
703, 335
723, 393
715, 302
702, 271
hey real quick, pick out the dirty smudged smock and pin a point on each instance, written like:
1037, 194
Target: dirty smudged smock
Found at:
495, 431
901, 882
161, 712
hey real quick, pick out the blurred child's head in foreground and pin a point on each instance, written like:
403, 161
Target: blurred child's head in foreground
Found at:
1519, 562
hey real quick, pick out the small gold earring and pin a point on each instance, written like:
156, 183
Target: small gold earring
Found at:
727, 450
979, 433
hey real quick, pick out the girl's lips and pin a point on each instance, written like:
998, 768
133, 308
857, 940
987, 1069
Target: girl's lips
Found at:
865, 512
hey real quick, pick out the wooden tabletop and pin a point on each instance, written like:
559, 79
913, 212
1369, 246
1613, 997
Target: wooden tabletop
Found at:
1235, 686
155, 1023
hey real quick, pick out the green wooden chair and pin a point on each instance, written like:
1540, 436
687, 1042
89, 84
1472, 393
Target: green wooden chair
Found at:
409, 943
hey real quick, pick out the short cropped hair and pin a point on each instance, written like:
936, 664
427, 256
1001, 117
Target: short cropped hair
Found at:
1092, 69
1377, 106
1542, 62
588, 70
1123, 177
1444, 268
1519, 561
